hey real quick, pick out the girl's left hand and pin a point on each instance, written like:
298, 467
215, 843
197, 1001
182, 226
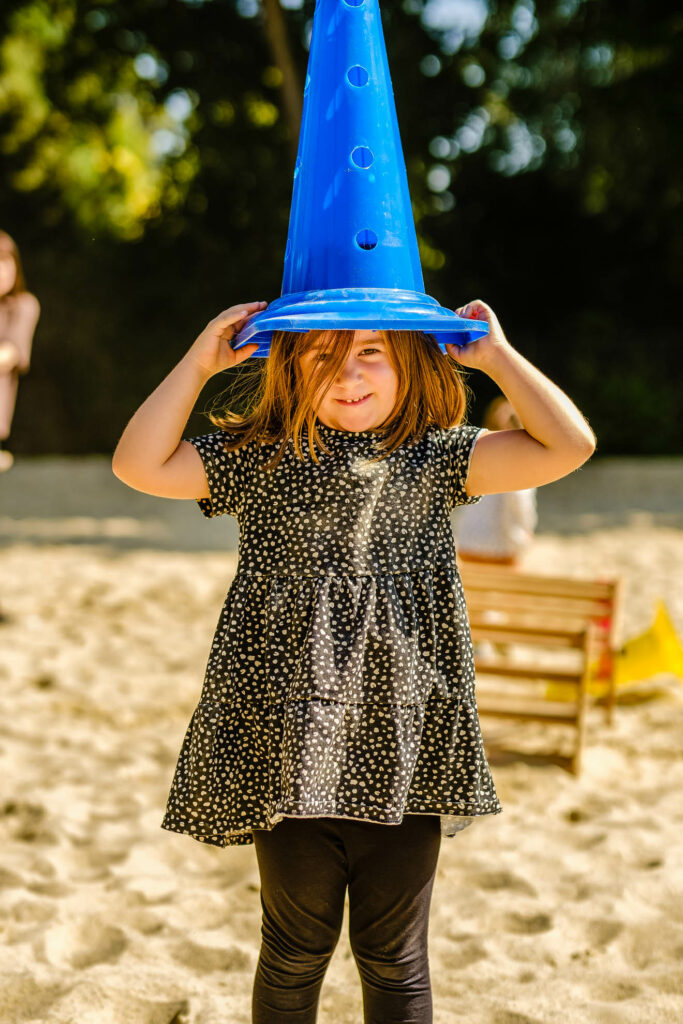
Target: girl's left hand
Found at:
478, 354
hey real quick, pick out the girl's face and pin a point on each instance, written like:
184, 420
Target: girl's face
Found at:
364, 392
8, 273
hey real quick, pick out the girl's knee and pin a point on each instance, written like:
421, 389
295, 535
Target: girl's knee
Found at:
393, 973
391, 958
285, 955
305, 944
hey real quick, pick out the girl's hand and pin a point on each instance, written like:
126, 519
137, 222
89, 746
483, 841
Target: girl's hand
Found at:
212, 352
480, 353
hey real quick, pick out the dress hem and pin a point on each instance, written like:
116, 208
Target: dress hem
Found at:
244, 836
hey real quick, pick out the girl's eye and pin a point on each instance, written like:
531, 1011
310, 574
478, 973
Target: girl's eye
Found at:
324, 355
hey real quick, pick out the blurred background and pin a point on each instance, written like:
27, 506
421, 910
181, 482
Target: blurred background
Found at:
146, 174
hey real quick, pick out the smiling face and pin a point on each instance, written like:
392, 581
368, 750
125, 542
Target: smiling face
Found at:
363, 393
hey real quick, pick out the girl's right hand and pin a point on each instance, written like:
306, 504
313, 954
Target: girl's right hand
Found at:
211, 352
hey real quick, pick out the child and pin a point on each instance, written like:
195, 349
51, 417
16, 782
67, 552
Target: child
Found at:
337, 728
501, 528
19, 312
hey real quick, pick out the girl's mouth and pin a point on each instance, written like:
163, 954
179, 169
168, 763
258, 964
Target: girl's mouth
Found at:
356, 401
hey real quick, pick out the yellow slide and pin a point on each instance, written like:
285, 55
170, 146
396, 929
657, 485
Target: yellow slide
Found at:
657, 650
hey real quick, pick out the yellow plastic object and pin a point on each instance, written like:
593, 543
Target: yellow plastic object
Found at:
657, 650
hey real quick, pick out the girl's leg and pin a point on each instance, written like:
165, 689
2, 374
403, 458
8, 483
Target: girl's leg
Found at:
391, 875
303, 869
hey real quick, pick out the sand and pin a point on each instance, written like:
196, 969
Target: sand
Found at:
567, 907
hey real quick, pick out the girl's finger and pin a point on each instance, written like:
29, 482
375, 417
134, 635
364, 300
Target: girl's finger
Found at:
230, 316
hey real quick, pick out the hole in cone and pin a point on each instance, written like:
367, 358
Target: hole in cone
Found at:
366, 239
357, 76
362, 156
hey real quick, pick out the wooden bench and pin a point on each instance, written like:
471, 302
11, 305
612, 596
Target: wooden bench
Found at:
545, 629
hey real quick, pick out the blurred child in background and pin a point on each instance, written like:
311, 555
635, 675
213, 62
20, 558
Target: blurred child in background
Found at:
19, 312
501, 527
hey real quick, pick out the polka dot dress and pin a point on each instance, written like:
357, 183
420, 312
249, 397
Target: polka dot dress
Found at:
340, 681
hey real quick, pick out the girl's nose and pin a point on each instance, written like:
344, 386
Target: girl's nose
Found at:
349, 370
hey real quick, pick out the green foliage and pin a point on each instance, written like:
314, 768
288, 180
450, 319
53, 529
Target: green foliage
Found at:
87, 123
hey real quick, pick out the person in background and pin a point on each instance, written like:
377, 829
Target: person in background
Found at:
19, 312
500, 529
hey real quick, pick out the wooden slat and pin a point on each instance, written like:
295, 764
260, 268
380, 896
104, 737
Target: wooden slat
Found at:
511, 633
518, 601
535, 672
536, 584
504, 706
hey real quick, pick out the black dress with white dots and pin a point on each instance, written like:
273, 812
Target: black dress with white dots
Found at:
340, 681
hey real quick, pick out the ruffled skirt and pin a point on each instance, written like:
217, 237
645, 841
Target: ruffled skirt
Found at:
340, 696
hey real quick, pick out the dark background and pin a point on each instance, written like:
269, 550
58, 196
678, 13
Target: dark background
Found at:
146, 174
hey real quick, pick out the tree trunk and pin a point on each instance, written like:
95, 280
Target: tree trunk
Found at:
275, 28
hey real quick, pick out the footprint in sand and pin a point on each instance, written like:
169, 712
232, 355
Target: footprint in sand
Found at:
10, 879
601, 931
53, 889
467, 951
24, 998
657, 942
82, 943
93, 1003
208, 957
591, 807
526, 924
26, 920
510, 1017
141, 920
82, 862
493, 880
26, 822
612, 990
31, 911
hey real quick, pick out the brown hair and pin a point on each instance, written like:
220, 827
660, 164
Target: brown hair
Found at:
8, 247
432, 390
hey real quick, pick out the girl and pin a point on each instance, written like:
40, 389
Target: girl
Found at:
19, 312
337, 728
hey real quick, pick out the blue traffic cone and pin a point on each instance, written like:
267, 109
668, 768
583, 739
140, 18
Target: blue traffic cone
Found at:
352, 259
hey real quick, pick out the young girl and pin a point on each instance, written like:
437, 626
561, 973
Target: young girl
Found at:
337, 727
19, 312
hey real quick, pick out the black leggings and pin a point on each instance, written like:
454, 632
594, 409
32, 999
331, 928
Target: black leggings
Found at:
305, 865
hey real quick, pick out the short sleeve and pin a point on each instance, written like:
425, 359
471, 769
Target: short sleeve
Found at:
226, 474
459, 445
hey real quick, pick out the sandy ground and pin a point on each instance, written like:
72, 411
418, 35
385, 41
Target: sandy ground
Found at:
567, 907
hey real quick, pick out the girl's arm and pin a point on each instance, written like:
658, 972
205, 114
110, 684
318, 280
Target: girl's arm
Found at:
555, 439
151, 455
20, 328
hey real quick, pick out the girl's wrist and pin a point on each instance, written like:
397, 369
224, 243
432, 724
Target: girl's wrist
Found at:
500, 355
200, 373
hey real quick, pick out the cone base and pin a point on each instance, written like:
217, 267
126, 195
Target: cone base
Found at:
391, 309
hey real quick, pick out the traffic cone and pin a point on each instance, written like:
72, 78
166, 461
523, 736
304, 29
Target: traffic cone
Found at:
352, 259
